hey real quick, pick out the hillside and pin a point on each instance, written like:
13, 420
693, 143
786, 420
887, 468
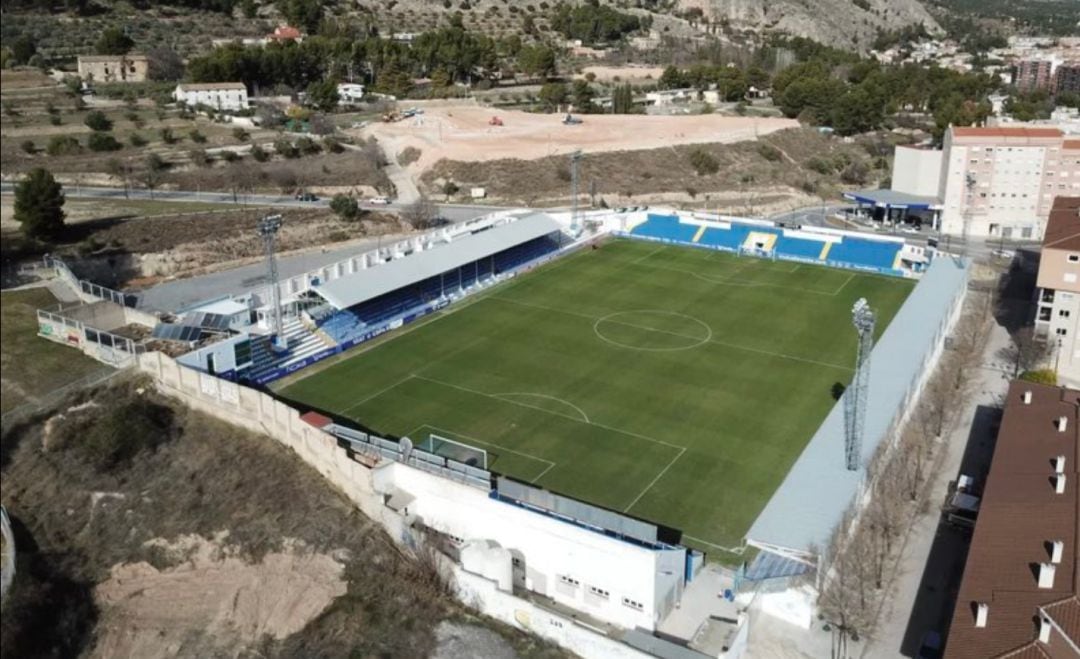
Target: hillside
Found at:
840, 23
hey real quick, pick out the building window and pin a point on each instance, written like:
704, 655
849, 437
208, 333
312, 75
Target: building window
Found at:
637, 606
1064, 313
1048, 295
1074, 258
599, 592
1044, 314
1061, 331
569, 581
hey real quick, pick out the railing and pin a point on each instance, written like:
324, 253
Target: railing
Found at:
88, 287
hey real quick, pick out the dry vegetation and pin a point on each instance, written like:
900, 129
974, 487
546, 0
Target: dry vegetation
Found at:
795, 163
124, 477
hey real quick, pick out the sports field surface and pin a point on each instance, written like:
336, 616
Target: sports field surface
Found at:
674, 384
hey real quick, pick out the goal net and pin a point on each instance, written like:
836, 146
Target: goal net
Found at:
455, 450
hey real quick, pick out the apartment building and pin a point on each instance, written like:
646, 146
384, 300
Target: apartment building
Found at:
1019, 597
1057, 317
1066, 79
1002, 181
1033, 74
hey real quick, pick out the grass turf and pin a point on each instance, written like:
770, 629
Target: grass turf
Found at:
677, 385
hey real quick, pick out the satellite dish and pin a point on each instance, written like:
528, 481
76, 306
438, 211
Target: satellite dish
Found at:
406, 447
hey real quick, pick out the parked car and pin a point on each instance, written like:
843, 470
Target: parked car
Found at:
306, 196
379, 201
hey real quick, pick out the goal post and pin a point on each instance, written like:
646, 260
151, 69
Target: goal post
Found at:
453, 449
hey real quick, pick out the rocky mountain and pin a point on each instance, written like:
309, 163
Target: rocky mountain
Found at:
843, 23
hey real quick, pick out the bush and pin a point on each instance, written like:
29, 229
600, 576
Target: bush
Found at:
103, 142
137, 140
240, 134
230, 156
333, 144
345, 207
307, 146
63, 145
55, 120
703, 162
97, 121
286, 149
855, 173
1040, 376
123, 432
770, 152
259, 154
408, 155
167, 136
196, 136
819, 165
28, 147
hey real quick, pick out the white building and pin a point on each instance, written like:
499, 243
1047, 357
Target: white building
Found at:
349, 92
916, 170
227, 96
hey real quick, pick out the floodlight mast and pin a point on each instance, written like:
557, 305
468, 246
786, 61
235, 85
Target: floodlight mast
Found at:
855, 399
267, 230
575, 158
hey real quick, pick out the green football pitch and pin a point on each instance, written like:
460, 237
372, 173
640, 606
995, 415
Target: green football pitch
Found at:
674, 384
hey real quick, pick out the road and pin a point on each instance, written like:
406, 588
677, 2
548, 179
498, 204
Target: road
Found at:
451, 212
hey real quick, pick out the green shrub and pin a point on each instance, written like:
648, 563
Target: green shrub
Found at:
55, 120
97, 121
703, 162
230, 156
770, 152
1040, 376
103, 142
28, 147
344, 207
119, 434
286, 149
259, 153
240, 134
196, 136
137, 140
167, 136
63, 145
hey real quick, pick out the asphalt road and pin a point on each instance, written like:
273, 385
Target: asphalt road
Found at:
451, 212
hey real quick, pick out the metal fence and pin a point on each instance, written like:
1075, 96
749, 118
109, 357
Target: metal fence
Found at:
89, 287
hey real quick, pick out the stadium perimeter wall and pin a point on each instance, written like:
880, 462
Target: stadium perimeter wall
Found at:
371, 488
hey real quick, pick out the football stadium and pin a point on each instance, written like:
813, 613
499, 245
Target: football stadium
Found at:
612, 411
671, 383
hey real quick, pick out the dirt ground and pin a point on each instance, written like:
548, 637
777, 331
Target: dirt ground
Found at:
631, 74
214, 591
457, 132
144, 528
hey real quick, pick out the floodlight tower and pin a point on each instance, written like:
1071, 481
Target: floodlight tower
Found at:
575, 158
862, 317
267, 230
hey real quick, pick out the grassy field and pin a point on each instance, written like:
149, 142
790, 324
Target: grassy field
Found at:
676, 385
32, 366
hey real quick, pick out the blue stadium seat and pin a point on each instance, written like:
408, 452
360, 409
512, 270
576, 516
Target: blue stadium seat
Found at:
859, 252
666, 227
798, 247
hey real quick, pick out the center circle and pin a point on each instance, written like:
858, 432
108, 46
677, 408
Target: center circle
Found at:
652, 330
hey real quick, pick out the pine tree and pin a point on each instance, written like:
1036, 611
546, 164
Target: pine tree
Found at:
39, 205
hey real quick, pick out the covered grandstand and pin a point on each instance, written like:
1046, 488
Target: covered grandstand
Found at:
338, 308
842, 249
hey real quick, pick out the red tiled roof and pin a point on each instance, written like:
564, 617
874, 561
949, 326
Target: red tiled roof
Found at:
316, 419
286, 32
1072, 144
1005, 131
1020, 514
1063, 224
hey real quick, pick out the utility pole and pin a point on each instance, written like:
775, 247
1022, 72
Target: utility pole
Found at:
267, 230
855, 398
575, 158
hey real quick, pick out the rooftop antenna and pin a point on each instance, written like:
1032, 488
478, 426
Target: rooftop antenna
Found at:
863, 318
575, 158
267, 230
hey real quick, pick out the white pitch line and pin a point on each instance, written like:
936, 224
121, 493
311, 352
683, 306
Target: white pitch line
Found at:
628, 433
550, 464
642, 258
376, 394
731, 550
653, 481
554, 398
661, 331
846, 282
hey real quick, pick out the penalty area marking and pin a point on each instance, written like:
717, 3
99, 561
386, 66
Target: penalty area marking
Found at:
584, 416
550, 464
